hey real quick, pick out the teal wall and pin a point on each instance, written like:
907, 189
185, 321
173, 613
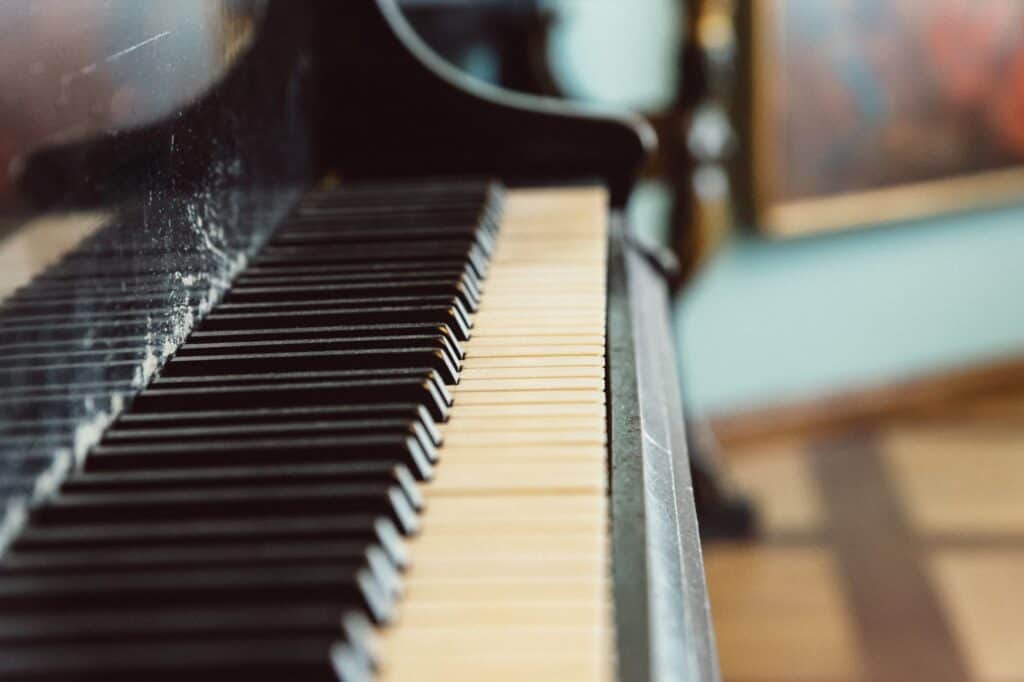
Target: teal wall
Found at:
769, 322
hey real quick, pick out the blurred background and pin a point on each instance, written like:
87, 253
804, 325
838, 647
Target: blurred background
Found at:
843, 183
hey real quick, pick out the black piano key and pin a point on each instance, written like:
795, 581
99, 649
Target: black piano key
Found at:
313, 623
416, 211
32, 345
244, 433
334, 293
67, 376
31, 402
341, 332
266, 554
467, 252
46, 320
393, 216
105, 624
135, 328
27, 443
86, 256
370, 359
66, 290
344, 209
232, 308
251, 659
403, 191
425, 392
365, 528
254, 377
40, 426
468, 188
85, 405
124, 434
237, 556
315, 243
348, 208
391, 200
332, 316
369, 472
211, 343
312, 342
53, 307
101, 357
267, 380
463, 278
171, 421
252, 502
344, 584
88, 266
369, 269
398, 448
308, 229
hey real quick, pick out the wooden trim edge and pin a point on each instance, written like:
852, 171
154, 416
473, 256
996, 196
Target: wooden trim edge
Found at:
842, 410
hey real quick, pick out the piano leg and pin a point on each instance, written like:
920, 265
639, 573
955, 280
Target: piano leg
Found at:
721, 512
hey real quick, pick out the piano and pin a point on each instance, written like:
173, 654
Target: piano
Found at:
362, 376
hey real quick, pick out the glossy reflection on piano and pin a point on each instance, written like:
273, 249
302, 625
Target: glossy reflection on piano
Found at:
361, 375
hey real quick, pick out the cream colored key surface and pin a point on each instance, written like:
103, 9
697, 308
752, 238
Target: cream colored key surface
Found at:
510, 577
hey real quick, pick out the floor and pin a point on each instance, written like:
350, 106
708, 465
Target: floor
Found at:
893, 551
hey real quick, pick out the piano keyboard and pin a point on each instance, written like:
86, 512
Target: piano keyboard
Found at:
245, 516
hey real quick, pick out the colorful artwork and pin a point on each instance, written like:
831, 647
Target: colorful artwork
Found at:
862, 95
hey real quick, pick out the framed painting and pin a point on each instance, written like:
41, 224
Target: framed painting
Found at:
872, 111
